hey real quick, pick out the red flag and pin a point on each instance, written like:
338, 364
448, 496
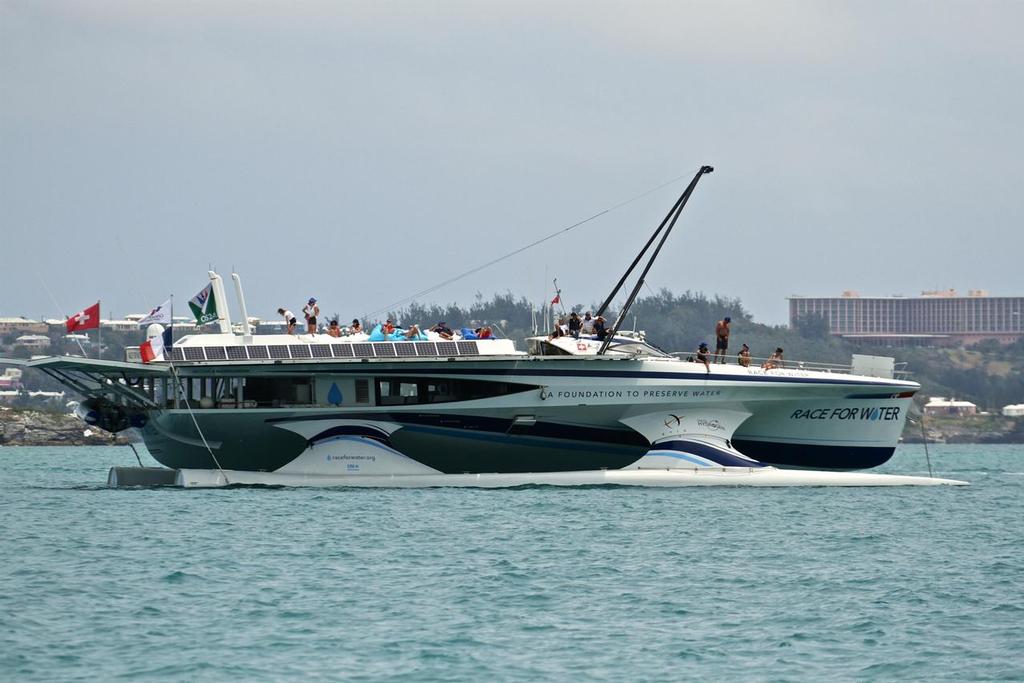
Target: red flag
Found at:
557, 299
89, 319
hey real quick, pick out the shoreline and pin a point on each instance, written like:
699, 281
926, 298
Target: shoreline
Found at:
28, 427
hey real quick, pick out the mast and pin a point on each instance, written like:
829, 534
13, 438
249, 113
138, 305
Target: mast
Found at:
246, 332
671, 219
223, 315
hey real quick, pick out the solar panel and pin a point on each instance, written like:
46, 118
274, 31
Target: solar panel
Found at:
342, 350
194, 353
236, 352
300, 350
385, 350
320, 350
258, 352
215, 353
405, 350
425, 348
278, 351
447, 348
176, 354
363, 350
468, 348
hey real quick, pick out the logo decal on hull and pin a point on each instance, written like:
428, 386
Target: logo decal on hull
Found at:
711, 424
883, 413
672, 417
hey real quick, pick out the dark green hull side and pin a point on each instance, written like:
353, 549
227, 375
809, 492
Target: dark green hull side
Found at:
244, 441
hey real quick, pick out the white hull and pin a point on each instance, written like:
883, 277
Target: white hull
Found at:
700, 476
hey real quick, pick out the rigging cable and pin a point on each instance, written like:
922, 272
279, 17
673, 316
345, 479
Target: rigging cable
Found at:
914, 410
178, 387
390, 307
924, 437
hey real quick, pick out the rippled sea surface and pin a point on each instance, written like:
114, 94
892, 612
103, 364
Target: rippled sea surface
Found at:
533, 583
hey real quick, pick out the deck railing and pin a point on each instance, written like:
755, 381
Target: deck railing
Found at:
899, 371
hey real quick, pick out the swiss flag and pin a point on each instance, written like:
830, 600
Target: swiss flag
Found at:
89, 319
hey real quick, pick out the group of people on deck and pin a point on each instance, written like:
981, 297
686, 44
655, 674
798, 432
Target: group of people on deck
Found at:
743, 358
575, 326
386, 331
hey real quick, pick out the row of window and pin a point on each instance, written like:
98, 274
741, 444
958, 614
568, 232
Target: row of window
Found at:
280, 392
915, 316
410, 349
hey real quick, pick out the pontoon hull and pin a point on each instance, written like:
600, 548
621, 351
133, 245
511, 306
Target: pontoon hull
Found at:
761, 477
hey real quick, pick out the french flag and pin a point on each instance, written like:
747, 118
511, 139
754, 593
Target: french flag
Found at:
153, 348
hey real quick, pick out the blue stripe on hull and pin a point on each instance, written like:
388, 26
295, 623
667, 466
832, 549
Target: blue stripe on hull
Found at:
716, 455
814, 456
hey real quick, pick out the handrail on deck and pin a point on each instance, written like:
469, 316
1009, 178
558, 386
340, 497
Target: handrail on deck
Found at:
899, 369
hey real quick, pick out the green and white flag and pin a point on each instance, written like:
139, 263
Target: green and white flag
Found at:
204, 306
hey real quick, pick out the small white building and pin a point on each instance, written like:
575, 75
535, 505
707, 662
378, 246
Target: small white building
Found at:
940, 405
1016, 410
125, 326
33, 341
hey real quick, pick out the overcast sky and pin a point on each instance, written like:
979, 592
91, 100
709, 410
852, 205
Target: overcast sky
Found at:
360, 152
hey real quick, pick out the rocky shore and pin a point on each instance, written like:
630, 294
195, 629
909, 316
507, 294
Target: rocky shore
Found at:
20, 427
967, 429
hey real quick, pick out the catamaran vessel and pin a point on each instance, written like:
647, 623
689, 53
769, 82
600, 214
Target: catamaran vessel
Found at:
314, 410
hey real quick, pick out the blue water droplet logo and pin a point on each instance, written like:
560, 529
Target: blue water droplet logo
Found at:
334, 395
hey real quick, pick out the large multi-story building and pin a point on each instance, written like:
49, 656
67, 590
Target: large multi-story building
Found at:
934, 318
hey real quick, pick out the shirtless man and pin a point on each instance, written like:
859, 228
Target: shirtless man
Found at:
722, 339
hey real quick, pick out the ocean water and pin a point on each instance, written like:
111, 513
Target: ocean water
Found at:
526, 584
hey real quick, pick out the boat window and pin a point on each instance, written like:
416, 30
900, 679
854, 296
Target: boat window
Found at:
273, 392
362, 391
393, 391
549, 349
635, 348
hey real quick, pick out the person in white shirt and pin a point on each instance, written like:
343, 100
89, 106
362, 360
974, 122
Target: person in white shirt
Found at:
311, 311
587, 324
289, 319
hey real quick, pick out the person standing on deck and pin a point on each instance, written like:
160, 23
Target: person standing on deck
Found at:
311, 311
722, 339
289, 319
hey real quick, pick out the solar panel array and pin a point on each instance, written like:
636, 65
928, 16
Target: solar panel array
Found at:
444, 349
